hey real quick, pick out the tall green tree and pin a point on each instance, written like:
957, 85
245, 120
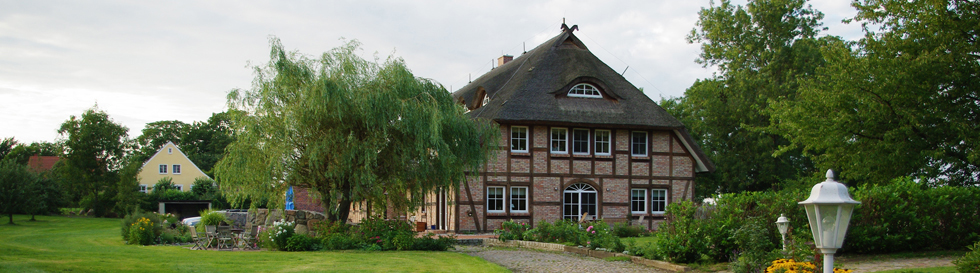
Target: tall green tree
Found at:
22, 153
6, 146
760, 50
158, 133
94, 148
350, 129
205, 142
15, 184
902, 101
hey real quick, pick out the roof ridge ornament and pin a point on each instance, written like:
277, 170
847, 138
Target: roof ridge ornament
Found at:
565, 28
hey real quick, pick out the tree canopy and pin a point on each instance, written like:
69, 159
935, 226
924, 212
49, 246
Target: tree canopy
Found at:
759, 50
94, 148
350, 129
902, 101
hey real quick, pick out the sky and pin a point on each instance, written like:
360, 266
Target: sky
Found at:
146, 61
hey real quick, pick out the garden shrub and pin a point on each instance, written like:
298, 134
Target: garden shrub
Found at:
381, 232
340, 241
141, 232
430, 243
210, 218
130, 219
900, 216
279, 233
593, 235
707, 234
906, 216
756, 249
511, 230
969, 263
298, 242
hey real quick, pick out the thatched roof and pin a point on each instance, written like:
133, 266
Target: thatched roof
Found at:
533, 88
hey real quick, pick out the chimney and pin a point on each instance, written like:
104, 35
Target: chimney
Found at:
504, 59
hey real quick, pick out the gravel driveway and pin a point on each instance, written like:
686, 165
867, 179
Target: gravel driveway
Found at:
526, 260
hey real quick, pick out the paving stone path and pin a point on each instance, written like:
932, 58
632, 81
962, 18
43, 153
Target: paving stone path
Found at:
525, 260
866, 266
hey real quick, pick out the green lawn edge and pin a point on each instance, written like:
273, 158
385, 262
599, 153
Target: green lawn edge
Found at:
80, 244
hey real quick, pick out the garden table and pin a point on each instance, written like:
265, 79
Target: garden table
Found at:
236, 236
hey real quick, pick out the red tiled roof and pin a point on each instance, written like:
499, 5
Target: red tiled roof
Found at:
42, 163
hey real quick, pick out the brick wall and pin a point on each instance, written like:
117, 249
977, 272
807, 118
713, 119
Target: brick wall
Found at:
683, 167
544, 189
520, 165
582, 167
668, 165
559, 166
304, 199
618, 190
660, 142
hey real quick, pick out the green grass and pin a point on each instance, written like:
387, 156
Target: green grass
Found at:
942, 269
617, 259
59, 243
642, 240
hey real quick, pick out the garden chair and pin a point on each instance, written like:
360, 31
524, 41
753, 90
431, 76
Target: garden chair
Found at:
198, 242
249, 238
212, 236
224, 237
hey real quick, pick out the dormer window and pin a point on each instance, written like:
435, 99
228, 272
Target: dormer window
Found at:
486, 99
584, 90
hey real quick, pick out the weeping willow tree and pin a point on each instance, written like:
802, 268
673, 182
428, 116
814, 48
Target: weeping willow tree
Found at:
350, 129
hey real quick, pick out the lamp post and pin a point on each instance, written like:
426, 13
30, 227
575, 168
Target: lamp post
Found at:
782, 223
829, 209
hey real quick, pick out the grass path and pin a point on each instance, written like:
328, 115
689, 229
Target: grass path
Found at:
58, 243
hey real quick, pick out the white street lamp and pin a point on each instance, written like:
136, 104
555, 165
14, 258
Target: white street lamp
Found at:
829, 210
783, 224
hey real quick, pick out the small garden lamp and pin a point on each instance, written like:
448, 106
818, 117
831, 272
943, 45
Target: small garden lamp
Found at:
829, 209
783, 224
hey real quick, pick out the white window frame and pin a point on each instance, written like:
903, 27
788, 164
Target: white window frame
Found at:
175, 169
503, 193
518, 140
144, 188
633, 143
654, 201
516, 199
603, 143
170, 150
587, 141
564, 146
179, 187
641, 201
163, 168
486, 99
584, 90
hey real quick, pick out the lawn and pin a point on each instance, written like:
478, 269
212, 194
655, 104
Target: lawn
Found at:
57, 243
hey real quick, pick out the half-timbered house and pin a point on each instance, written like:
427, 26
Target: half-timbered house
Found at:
577, 140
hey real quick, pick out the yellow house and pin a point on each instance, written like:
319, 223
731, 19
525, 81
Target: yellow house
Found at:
169, 161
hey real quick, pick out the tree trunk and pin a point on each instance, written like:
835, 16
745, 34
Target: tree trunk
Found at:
343, 210
11, 215
32, 217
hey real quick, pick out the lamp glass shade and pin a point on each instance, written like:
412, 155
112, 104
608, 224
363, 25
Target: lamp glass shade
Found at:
782, 223
828, 210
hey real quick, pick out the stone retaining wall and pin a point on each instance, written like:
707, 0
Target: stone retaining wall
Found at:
586, 252
265, 217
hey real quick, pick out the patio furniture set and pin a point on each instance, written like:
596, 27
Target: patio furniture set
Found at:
225, 237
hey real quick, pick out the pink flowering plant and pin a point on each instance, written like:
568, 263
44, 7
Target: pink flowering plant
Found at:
512, 230
593, 235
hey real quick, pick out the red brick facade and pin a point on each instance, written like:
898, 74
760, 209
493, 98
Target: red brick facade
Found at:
667, 165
